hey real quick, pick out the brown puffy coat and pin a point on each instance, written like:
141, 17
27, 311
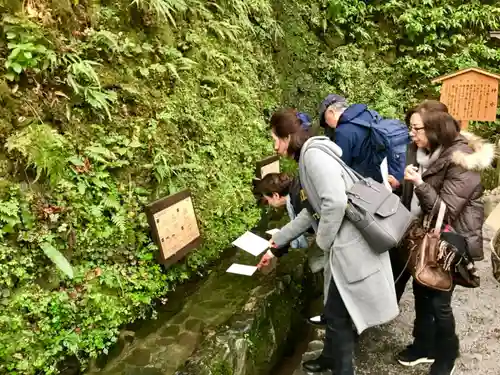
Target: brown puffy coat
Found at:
455, 178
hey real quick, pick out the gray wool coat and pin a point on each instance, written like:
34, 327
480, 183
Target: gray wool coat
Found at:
363, 277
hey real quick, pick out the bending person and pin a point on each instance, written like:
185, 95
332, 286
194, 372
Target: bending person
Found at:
278, 190
359, 287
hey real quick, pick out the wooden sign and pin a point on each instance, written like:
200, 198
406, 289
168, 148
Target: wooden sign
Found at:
470, 95
493, 220
495, 34
174, 226
268, 165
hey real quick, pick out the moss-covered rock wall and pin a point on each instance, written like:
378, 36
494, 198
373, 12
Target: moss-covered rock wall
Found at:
107, 105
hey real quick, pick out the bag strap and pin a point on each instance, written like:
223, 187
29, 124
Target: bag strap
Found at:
359, 122
439, 209
440, 217
354, 175
330, 152
307, 205
375, 117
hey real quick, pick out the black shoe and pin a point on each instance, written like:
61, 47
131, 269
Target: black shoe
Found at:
442, 369
413, 356
318, 320
319, 364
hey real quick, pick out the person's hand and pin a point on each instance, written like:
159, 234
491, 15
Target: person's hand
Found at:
266, 259
393, 182
275, 200
412, 175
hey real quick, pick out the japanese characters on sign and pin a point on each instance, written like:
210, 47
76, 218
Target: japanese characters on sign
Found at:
470, 94
174, 226
474, 101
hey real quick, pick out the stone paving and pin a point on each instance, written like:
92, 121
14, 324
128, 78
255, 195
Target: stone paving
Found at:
230, 323
477, 312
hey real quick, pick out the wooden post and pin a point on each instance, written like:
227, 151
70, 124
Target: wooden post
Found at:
464, 124
498, 170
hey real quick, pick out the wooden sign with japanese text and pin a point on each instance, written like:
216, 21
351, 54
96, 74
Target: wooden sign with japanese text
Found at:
268, 165
470, 94
174, 226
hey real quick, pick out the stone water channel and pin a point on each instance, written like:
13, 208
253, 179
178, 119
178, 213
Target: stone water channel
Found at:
223, 324
235, 325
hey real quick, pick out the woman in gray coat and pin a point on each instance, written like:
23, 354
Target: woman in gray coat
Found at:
359, 285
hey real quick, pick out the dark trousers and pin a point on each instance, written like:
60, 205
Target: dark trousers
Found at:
399, 271
434, 327
339, 336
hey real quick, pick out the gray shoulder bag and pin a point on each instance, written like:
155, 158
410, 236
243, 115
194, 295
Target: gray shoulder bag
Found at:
374, 210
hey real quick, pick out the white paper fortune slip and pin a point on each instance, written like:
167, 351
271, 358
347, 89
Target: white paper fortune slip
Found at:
242, 269
272, 231
384, 170
251, 243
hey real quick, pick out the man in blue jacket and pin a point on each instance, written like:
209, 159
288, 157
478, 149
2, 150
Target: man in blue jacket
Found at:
337, 118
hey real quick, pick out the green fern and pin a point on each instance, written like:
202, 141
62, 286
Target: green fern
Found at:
104, 40
83, 79
9, 216
44, 148
120, 221
161, 169
111, 202
225, 30
163, 9
95, 211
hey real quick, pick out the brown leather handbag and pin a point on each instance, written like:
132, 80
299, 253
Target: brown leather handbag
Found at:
426, 263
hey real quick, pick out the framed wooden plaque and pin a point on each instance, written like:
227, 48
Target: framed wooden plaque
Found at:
268, 165
470, 94
174, 226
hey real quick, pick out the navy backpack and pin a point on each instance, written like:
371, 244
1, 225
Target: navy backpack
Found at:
388, 138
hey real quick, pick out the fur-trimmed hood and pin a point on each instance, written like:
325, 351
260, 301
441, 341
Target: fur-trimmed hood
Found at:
479, 158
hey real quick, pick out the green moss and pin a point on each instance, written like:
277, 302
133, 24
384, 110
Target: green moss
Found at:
152, 101
221, 368
10, 6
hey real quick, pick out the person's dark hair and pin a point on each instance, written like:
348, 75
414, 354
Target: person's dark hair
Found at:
274, 183
297, 140
426, 106
440, 128
285, 122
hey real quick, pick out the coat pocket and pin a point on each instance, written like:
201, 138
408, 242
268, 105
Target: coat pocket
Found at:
356, 259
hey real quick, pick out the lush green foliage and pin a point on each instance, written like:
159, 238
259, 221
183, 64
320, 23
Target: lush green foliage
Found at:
109, 105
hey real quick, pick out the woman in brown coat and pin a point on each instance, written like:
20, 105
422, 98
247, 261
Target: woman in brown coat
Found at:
444, 165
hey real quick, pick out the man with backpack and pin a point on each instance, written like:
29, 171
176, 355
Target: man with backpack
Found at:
365, 138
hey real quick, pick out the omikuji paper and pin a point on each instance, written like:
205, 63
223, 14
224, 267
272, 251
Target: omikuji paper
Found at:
384, 170
242, 269
251, 243
272, 231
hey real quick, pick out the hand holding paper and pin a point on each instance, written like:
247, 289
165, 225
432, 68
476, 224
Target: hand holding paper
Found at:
266, 259
393, 182
272, 231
